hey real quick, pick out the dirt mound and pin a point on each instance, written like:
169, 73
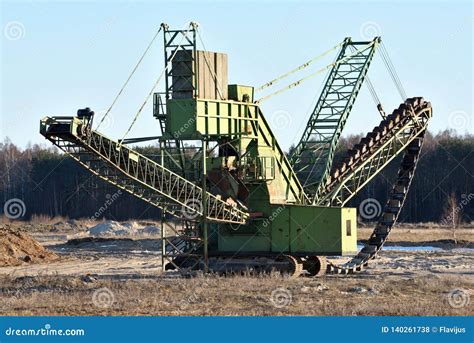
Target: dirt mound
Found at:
112, 228
17, 248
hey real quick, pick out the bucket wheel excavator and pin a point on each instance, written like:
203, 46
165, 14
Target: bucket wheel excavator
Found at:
231, 199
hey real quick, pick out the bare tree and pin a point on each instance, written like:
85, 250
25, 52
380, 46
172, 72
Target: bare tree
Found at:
452, 215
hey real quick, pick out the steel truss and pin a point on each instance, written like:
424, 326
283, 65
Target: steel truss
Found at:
312, 157
140, 175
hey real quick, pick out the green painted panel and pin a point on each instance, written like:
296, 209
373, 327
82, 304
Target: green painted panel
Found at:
244, 238
315, 229
181, 118
298, 230
279, 220
218, 118
237, 92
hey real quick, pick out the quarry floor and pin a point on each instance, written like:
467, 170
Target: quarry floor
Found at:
422, 272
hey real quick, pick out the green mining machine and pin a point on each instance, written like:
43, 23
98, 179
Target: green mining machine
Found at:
231, 198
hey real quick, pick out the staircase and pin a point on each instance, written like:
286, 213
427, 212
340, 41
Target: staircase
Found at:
268, 142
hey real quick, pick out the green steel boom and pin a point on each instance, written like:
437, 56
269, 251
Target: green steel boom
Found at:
313, 155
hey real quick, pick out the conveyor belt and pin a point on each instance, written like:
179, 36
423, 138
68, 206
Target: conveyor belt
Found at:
415, 108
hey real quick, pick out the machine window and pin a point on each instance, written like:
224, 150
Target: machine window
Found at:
348, 228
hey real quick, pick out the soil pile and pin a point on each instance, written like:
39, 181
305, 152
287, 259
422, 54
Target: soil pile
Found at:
18, 248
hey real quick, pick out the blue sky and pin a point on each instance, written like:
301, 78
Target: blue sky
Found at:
57, 57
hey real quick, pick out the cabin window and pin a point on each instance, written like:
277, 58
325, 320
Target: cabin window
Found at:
348, 228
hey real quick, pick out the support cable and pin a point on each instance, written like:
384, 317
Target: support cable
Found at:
393, 73
168, 65
129, 77
301, 67
306, 78
374, 94
372, 91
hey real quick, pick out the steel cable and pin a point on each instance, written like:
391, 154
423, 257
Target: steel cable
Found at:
296, 83
154, 86
393, 73
129, 77
301, 67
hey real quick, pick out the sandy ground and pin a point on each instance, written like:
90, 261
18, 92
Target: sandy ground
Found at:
123, 277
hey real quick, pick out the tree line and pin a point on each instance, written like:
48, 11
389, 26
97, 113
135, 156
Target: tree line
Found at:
49, 183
